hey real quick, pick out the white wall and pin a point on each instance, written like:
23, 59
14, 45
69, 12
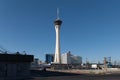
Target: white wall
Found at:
67, 58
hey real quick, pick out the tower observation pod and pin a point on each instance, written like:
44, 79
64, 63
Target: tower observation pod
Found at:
57, 22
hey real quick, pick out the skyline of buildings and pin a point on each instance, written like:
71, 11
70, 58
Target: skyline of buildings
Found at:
66, 58
90, 28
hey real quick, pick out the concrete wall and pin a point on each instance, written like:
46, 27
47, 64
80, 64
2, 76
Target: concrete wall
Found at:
14, 70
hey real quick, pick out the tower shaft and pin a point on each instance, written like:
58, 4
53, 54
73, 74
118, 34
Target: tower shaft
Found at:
57, 47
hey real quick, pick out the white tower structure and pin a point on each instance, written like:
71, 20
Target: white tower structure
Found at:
57, 22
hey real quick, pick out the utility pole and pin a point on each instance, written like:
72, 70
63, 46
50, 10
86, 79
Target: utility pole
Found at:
105, 64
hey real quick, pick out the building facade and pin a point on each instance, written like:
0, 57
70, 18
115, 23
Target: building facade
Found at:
15, 66
68, 58
49, 58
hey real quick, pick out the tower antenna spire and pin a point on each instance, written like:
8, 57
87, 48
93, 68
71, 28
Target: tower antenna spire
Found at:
58, 13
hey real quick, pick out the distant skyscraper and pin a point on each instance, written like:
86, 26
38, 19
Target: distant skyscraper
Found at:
57, 23
49, 58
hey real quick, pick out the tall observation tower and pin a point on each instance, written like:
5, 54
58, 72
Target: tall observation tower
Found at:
57, 22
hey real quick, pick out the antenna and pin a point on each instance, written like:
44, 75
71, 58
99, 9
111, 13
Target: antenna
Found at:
58, 13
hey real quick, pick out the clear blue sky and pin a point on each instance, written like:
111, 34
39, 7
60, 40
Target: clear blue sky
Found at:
91, 28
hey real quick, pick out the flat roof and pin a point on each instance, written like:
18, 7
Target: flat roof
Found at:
16, 58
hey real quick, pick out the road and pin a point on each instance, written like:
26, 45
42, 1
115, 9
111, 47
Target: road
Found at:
49, 75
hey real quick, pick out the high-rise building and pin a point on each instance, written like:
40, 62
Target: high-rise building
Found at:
68, 58
49, 58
